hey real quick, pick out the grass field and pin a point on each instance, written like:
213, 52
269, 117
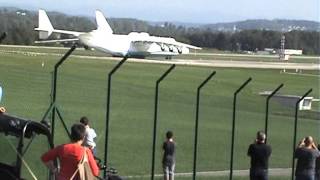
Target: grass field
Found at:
82, 91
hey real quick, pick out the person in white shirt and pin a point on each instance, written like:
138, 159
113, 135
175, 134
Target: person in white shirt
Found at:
2, 109
0, 93
90, 135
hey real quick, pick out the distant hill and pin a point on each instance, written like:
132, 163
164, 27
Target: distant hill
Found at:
280, 25
274, 25
247, 35
140, 25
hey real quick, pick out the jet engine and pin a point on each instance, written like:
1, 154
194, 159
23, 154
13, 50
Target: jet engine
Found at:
173, 48
164, 47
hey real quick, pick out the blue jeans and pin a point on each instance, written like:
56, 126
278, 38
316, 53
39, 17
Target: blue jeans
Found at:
258, 174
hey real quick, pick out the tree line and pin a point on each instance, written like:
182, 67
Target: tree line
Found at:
20, 30
252, 40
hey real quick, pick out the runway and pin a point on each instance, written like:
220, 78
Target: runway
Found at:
188, 62
235, 64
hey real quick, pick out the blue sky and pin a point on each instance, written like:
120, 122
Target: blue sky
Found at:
195, 11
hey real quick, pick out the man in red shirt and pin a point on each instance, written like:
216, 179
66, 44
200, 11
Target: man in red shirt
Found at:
69, 155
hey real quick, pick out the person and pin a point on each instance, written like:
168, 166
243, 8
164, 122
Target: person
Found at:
318, 166
90, 135
306, 153
168, 160
2, 109
259, 153
0, 93
69, 155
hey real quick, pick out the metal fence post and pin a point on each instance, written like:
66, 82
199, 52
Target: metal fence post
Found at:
233, 124
295, 130
108, 112
267, 109
197, 124
156, 118
54, 90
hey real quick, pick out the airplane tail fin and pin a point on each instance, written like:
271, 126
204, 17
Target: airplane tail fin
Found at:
102, 23
45, 27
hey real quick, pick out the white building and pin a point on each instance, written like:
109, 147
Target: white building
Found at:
292, 52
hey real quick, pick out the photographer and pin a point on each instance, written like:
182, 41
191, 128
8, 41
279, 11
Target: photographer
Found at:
306, 153
259, 152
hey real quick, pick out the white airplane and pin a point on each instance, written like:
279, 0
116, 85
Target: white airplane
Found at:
132, 45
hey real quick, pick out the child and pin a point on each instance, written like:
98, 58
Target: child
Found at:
168, 161
90, 135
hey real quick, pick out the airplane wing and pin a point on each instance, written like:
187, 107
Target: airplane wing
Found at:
171, 41
186, 45
57, 40
146, 38
143, 43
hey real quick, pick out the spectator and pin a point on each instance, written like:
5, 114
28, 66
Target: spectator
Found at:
259, 152
69, 155
168, 161
306, 153
0, 93
90, 135
318, 166
2, 109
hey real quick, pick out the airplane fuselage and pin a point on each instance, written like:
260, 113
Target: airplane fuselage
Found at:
120, 44
128, 45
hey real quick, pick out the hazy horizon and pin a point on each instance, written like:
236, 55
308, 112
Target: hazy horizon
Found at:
187, 11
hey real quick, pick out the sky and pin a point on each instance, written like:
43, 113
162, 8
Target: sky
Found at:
188, 11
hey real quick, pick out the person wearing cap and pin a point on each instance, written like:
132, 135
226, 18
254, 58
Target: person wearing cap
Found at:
306, 153
259, 153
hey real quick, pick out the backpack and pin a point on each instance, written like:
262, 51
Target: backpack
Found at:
84, 169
